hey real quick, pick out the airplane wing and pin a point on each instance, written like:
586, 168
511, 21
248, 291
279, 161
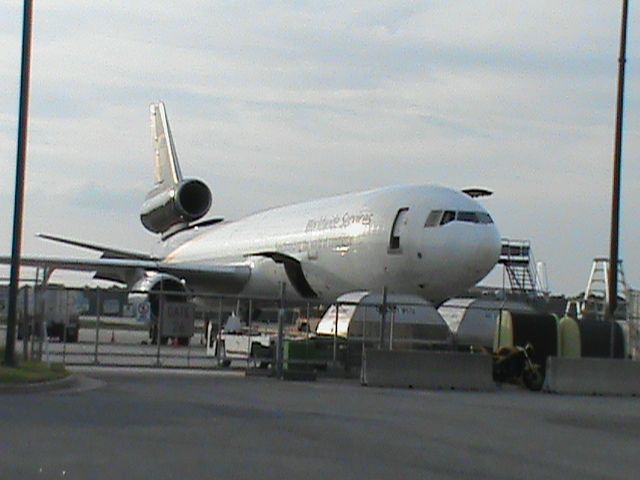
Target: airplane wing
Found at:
293, 269
127, 270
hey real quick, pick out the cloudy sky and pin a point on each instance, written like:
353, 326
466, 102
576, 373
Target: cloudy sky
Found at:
277, 102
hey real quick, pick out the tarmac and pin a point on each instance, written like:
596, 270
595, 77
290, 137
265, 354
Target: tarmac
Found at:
166, 424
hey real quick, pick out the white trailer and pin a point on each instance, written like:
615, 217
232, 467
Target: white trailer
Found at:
56, 306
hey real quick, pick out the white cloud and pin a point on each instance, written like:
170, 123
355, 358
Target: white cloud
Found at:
515, 96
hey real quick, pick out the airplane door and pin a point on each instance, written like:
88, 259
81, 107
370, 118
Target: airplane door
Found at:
397, 230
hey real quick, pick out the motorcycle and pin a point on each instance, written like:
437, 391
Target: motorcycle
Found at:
515, 365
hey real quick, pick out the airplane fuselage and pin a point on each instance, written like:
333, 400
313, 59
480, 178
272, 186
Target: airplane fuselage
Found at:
359, 241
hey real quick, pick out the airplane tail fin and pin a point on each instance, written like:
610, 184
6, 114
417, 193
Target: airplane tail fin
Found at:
167, 168
173, 202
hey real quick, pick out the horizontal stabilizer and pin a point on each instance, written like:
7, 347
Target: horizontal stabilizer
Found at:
108, 252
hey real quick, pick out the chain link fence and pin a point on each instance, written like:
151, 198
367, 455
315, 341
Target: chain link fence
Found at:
119, 327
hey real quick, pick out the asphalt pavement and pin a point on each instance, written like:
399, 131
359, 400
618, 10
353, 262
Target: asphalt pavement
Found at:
214, 425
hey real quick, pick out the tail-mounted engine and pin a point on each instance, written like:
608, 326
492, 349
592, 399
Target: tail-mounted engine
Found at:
188, 201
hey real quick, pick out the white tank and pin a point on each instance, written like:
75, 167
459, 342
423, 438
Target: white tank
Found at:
410, 320
473, 321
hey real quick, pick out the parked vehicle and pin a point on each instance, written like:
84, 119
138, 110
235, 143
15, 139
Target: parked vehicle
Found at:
514, 365
58, 307
235, 342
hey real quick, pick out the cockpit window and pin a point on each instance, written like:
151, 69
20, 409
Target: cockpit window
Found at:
438, 217
433, 220
484, 217
470, 217
448, 216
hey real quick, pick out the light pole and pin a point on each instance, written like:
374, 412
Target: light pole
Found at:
23, 115
617, 163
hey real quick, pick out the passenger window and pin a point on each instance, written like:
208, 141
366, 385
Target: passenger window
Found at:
398, 224
448, 216
469, 217
433, 220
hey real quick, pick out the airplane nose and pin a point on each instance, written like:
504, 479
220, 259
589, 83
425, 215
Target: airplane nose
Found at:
488, 250
483, 252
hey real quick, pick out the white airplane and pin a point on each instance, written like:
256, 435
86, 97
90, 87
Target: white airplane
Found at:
430, 241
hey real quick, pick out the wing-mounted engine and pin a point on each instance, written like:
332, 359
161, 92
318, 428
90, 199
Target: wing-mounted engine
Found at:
145, 295
174, 202
177, 206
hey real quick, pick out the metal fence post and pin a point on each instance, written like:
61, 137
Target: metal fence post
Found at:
499, 330
306, 339
159, 323
280, 345
218, 338
335, 334
364, 329
633, 321
98, 312
46, 341
64, 327
249, 335
34, 314
393, 321
25, 325
383, 317
189, 340
43, 326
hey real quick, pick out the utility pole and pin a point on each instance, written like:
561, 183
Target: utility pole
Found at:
617, 164
23, 116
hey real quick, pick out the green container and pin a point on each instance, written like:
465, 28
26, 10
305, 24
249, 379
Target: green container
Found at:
299, 354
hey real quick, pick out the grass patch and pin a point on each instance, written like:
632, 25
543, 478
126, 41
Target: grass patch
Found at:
31, 372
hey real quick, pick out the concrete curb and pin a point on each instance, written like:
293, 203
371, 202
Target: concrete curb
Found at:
66, 383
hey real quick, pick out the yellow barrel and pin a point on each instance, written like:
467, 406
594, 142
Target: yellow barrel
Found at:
504, 331
568, 338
